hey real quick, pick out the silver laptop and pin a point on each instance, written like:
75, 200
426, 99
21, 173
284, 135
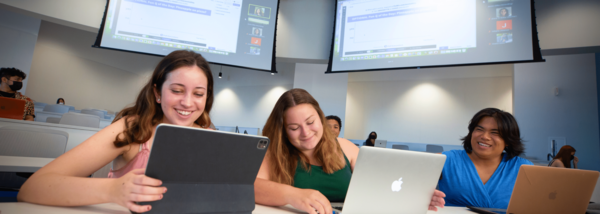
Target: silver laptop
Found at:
381, 143
392, 181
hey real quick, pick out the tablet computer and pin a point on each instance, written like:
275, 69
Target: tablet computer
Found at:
205, 171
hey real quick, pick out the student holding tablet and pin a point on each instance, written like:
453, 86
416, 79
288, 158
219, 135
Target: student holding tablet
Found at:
180, 92
484, 174
306, 165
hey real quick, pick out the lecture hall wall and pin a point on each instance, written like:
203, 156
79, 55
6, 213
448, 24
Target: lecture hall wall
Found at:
562, 26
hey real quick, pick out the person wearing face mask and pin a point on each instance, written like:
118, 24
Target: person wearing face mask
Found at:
60, 101
371, 139
563, 159
12, 81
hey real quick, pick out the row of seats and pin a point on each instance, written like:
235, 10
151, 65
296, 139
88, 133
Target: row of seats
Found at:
64, 114
39, 140
431, 148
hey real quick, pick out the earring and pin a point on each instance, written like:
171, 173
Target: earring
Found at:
158, 100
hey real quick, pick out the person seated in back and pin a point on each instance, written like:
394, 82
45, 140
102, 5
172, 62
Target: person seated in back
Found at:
60, 101
484, 174
179, 92
371, 139
563, 159
306, 166
12, 81
335, 123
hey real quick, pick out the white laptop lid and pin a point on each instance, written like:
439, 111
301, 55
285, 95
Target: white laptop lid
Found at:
376, 187
381, 143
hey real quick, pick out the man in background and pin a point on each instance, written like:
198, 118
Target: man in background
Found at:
12, 81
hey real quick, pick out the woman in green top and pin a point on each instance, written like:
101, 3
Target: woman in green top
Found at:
306, 166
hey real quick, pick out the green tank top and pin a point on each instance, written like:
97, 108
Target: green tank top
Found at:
333, 186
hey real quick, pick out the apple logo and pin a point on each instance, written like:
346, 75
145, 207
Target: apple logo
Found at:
397, 185
552, 195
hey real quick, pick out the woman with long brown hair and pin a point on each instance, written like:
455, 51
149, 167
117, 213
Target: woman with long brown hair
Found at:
179, 92
306, 165
563, 159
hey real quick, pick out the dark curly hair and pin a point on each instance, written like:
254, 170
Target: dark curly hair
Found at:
11, 72
507, 128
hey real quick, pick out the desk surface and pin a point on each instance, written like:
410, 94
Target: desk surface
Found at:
22, 164
19, 208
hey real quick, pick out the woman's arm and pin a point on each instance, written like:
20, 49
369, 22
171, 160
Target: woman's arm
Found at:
350, 150
271, 193
63, 182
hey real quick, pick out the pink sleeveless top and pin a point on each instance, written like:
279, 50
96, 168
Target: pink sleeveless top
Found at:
139, 161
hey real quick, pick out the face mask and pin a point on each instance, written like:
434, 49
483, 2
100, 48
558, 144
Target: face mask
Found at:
572, 157
16, 86
372, 137
60, 103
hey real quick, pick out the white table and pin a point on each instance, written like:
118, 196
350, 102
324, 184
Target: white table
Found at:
22, 164
22, 208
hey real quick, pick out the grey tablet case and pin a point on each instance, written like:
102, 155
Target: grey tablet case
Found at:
205, 171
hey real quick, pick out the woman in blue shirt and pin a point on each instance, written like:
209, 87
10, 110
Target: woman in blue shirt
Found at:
484, 174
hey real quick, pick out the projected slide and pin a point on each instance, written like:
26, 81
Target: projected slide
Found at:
140, 18
389, 27
231, 32
381, 34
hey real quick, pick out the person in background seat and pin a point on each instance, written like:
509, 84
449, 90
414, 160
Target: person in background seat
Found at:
12, 81
371, 139
335, 123
60, 101
563, 159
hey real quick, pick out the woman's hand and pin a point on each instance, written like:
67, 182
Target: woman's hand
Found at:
136, 187
437, 200
310, 201
575, 161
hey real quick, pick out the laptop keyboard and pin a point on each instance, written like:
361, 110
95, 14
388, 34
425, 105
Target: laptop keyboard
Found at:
337, 206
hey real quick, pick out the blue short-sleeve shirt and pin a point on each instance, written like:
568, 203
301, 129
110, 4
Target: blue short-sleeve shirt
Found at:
463, 187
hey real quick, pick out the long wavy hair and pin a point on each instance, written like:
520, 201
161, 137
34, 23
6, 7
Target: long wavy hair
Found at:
146, 113
284, 156
564, 155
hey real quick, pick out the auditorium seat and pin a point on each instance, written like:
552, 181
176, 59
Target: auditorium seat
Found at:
402, 147
28, 142
71, 108
57, 108
93, 112
77, 119
32, 142
434, 148
53, 120
39, 104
